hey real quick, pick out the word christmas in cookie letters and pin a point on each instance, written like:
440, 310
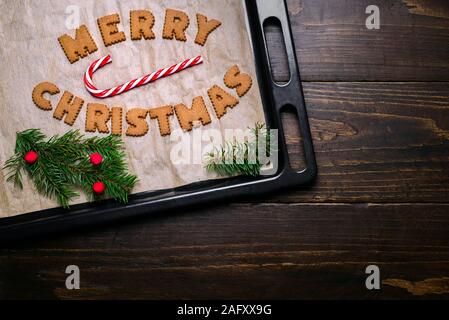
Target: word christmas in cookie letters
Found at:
98, 115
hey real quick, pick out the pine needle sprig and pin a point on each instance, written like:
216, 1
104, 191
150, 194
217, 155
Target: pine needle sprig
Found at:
64, 167
240, 158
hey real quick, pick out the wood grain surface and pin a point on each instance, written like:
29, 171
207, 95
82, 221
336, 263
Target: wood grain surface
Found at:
333, 44
378, 103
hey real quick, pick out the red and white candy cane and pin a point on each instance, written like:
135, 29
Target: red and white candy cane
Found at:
161, 73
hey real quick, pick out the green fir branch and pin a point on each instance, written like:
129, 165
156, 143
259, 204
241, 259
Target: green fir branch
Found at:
234, 158
63, 166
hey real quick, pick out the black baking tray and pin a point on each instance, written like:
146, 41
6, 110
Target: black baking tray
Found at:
274, 97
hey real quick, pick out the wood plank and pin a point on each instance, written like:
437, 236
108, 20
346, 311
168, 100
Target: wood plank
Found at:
376, 142
428, 8
245, 251
333, 43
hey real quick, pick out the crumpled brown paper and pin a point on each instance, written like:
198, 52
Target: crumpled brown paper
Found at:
30, 54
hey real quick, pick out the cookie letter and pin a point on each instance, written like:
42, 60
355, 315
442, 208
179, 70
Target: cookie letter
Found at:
109, 29
205, 27
116, 119
176, 22
162, 115
97, 117
80, 47
242, 82
68, 104
38, 94
221, 100
138, 126
142, 22
187, 116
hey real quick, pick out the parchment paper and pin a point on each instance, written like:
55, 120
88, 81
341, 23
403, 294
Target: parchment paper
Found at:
30, 54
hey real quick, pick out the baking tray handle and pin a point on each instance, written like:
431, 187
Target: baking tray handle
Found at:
291, 93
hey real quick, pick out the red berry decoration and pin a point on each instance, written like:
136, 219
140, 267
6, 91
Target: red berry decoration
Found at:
96, 159
99, 187
31, 157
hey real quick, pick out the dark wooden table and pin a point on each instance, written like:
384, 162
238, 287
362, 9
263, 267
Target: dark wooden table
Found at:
378, 102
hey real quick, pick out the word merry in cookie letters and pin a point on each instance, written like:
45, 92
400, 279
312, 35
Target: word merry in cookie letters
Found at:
101, 118
142, 22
